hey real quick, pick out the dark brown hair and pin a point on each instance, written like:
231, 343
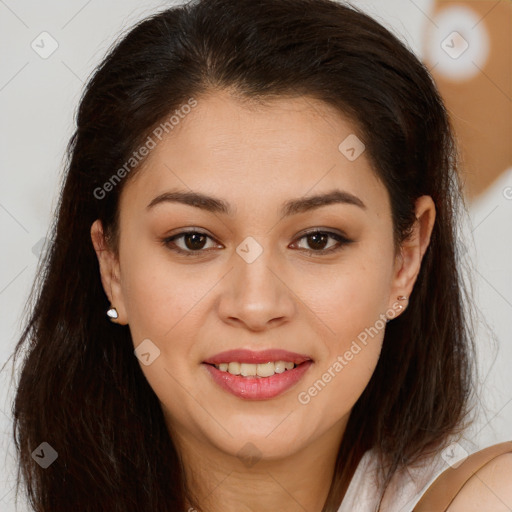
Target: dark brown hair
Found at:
82, 390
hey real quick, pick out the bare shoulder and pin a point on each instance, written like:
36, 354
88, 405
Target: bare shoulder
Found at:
490, 488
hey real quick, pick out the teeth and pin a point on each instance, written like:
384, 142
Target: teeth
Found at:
233, 368
265, 370
255, 370
248, 370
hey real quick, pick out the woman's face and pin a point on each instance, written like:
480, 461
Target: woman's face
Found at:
253, 279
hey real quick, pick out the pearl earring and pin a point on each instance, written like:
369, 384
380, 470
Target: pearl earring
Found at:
112, 313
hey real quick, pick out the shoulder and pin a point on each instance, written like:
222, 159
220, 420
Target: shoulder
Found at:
490, 488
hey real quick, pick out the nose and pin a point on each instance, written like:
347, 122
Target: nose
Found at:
256, 295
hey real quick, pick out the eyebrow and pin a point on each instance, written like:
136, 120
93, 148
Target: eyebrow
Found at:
290, 207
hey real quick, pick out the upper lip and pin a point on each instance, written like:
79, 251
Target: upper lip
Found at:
260, 357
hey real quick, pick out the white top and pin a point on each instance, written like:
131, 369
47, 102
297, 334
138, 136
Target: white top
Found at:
406, 487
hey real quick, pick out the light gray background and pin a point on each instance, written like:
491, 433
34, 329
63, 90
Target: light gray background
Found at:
38, 98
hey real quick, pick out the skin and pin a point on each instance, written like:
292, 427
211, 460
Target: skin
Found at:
193, 307
488, 489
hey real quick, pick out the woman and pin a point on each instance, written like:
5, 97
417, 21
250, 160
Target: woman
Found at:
252, 296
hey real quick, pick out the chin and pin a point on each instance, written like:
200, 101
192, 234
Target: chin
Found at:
269, 440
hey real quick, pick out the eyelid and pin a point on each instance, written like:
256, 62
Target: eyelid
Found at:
166, 241
341, 239
319, 229
339, 236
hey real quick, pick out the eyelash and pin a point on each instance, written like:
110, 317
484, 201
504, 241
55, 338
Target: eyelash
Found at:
342, 241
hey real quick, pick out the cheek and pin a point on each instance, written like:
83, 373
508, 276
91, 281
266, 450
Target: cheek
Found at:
349, 298
352, 309
159, 294
350, 351
340, 381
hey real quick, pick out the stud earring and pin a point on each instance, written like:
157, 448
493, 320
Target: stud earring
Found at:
401, 297
112, 313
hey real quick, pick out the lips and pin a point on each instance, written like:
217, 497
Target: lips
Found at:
257, 388
261, 357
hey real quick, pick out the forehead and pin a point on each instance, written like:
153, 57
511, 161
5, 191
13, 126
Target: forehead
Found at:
256, 155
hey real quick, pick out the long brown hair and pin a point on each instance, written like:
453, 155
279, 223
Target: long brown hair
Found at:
82, 390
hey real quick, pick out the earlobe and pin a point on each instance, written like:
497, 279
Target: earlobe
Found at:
109, 273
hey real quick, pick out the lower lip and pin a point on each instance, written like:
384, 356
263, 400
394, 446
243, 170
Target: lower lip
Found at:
252, 388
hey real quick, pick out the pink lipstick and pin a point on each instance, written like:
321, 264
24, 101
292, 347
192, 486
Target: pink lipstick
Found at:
281, 369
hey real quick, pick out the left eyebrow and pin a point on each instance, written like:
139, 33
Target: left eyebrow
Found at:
304, 204
291, 207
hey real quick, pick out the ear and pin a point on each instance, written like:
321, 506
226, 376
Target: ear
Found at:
408, 261
109, 271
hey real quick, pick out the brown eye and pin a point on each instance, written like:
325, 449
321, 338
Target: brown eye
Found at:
318, 240
192, 242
